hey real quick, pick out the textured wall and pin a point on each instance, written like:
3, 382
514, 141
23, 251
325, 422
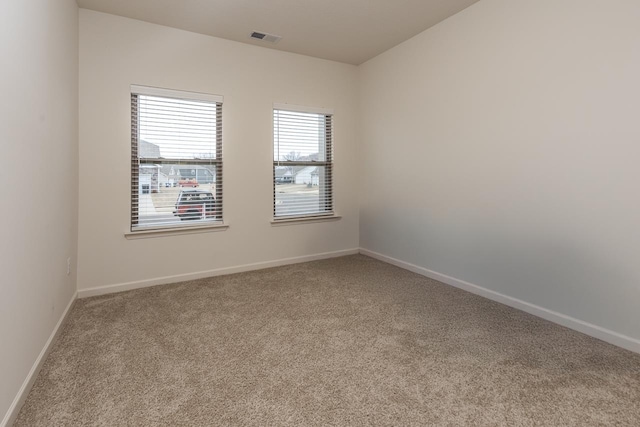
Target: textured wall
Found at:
500, 147
39, 179
116, 52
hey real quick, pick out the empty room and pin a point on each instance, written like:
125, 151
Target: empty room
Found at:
297, 212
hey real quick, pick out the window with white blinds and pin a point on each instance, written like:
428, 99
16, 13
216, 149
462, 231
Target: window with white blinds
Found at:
302, 162
176, 159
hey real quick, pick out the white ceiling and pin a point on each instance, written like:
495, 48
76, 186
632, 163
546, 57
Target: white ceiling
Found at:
350, 31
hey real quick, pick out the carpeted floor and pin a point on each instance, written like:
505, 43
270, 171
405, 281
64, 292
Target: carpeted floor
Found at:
345, 341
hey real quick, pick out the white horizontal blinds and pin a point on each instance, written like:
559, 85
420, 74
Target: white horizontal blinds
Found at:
176, 159
302, 163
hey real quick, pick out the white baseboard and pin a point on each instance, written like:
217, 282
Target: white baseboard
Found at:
17, 403
603, 334
109, 289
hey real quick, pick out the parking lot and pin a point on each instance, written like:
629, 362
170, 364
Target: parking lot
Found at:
296, 199
291, 199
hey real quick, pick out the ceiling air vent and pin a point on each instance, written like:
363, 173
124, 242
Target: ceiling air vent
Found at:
265, 37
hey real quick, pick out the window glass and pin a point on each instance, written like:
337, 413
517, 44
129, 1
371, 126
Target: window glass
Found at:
302, 164
176, 159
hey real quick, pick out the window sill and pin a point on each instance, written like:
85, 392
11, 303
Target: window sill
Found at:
304, 220
161, 232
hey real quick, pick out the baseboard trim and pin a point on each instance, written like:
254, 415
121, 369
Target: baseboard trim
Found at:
595, 331
109, 289
16, 405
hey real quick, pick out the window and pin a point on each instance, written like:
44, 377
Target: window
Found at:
176, 159
302, 162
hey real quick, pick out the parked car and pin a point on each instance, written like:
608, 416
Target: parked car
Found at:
284, 179
195, 204
188, 182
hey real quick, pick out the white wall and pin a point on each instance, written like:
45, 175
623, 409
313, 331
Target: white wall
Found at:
116, 52
39, 176
501, 148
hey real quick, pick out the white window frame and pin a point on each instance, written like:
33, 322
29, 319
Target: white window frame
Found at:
178, 227
328, 181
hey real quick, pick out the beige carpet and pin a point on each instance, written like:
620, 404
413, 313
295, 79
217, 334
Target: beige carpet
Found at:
346, 341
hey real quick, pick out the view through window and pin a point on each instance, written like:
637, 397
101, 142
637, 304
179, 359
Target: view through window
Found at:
302, 162
176, 158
